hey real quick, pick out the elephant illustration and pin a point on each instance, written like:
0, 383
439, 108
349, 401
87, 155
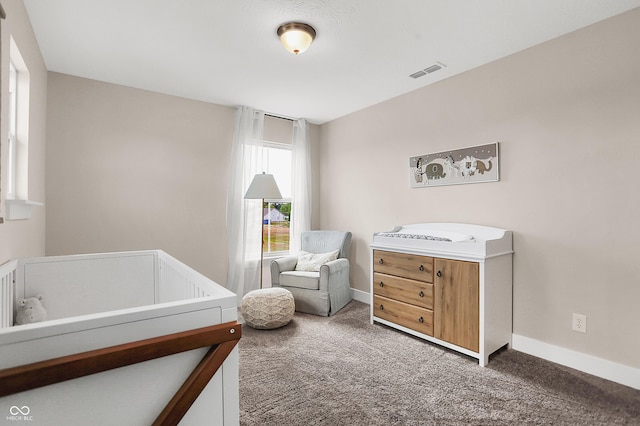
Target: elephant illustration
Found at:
434, 171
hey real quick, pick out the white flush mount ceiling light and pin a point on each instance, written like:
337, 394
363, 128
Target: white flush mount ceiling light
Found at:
296, 37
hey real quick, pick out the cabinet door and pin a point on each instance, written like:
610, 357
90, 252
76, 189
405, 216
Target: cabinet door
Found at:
457, 303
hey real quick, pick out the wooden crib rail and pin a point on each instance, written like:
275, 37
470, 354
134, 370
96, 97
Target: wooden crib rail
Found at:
222, 338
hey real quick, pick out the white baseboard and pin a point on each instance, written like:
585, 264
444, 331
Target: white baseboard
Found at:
361, 296
599, 367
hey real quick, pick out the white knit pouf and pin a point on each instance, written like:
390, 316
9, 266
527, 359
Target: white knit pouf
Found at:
268, 308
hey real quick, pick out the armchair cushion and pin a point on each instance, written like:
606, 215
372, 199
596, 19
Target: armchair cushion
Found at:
300, 279
311, 262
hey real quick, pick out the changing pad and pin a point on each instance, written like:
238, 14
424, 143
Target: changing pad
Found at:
464, 239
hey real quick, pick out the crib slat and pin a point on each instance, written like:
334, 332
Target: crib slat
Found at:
7, 276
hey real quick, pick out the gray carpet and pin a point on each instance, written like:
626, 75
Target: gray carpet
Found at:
344, 371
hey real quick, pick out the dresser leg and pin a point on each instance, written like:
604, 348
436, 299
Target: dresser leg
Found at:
484, 360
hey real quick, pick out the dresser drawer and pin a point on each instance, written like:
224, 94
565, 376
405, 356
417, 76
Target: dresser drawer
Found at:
413, 317
414, 292
403, 265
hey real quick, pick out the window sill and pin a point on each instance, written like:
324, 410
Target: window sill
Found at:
20, 209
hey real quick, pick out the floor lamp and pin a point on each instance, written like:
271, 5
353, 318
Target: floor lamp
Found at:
262, 186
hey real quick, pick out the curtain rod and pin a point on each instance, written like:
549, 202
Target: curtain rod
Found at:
280, 116
270, 114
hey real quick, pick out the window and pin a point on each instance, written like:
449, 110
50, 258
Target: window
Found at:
277, 213
18, 128
11, 162
17, 201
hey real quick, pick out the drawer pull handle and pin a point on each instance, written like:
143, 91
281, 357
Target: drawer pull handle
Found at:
381, 261
381, 284
439, 274
421, 320
421, 294
382, 307
421, 268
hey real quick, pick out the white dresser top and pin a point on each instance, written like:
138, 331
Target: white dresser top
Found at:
450, 239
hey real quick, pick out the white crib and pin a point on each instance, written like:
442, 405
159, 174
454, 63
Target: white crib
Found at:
130, 338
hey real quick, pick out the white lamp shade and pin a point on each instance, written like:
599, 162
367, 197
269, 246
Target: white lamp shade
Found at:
263, 186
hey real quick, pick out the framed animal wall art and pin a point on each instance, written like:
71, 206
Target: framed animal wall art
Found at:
459, 166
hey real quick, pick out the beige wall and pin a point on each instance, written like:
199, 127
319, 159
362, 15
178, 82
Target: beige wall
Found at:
567, 116
129, 169
24, 238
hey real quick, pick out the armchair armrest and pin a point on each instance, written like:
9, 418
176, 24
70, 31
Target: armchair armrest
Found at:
282, 264
334, 274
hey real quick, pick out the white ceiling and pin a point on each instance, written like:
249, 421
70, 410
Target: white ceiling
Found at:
227, 51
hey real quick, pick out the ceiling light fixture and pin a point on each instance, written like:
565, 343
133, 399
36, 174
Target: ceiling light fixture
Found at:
296, 37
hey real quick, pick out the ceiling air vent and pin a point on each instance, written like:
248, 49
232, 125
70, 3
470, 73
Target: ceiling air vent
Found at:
433, 68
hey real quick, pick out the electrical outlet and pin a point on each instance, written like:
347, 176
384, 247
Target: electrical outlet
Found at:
579, 323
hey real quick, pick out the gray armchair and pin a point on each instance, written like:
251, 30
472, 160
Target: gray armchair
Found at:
324, 292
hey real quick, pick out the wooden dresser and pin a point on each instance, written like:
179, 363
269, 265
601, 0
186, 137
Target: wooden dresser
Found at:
445, 283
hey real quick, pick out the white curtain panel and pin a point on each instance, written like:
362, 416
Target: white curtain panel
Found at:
301, 185
244, 217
